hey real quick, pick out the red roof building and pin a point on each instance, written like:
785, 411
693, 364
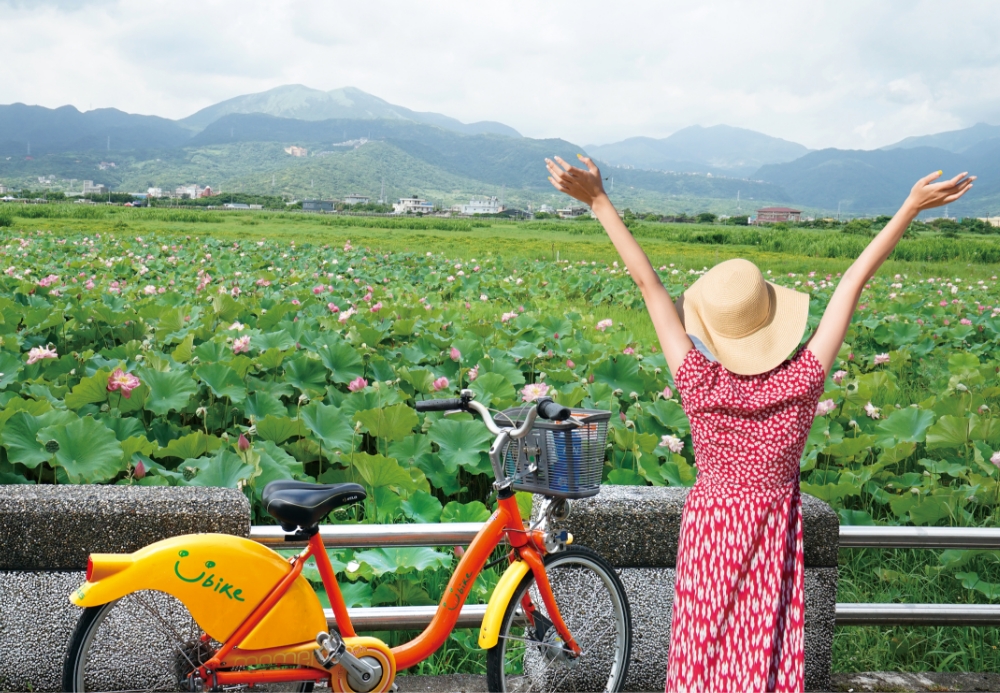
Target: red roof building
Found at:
770, 215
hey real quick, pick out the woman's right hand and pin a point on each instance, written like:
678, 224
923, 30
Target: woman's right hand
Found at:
927, 194
583, 184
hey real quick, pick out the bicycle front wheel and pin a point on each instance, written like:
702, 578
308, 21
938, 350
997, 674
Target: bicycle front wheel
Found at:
145, 641
592, 602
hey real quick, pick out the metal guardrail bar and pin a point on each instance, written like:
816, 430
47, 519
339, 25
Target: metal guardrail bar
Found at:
917, 614
462, 533
406, 617
417, 617
874, 536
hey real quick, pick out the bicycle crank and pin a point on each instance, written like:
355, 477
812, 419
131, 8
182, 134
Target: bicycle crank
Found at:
356, 665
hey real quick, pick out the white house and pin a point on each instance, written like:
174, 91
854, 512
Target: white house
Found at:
357, 199
412, 205
491, 205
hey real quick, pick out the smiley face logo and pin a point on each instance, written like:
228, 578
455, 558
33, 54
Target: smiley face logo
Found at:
183, 553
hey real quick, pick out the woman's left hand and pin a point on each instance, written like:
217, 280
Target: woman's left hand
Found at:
584, 185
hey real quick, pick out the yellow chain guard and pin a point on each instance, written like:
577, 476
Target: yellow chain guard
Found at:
365, 647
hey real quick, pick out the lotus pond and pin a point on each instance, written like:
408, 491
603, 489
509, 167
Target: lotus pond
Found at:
167, 358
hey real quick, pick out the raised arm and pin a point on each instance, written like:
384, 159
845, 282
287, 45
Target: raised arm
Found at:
826, 341
585, 185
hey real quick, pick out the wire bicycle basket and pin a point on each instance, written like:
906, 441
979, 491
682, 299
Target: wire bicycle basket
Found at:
559, 459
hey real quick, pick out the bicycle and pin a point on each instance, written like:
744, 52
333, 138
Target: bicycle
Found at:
217, 612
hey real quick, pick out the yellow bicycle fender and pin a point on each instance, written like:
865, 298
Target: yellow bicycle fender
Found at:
219, 578
489, 633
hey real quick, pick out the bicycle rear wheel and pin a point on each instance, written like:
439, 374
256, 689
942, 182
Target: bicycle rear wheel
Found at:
145, 641
592, 602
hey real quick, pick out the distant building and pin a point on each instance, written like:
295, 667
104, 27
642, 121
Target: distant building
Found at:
572, 212
412, 205
90, 189
317, 206
191, 191
3, 189
235, 205
491, 205
992, 221
207, 192
154, 192
357, 200
547, 209
296, 151
771, 215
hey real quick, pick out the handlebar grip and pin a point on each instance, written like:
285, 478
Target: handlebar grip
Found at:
547, 409
440, 404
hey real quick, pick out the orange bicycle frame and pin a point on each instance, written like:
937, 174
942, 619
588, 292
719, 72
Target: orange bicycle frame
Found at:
505, 522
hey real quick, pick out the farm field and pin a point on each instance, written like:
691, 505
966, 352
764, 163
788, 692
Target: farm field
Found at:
145, 347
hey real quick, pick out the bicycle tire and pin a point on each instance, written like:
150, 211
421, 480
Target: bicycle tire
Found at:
595, 585
133, 642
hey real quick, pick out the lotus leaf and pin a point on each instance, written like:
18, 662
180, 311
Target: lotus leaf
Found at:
403, 560
168, 390
465, 512
88, 451
392, 423
223, 381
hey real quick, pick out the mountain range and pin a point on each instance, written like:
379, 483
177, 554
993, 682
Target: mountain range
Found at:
356, 142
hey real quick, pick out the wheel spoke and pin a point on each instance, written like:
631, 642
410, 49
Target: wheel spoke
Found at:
593, 605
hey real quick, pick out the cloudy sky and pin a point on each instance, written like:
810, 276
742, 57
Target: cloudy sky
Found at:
844, 73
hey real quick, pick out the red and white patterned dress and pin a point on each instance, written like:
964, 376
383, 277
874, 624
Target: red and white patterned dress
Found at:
738, 607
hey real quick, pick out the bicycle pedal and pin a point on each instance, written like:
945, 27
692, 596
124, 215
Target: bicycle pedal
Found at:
331, 649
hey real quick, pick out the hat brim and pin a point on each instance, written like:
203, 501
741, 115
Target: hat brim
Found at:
763, 349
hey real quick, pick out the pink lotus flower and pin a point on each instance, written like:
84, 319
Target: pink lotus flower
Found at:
667, 392
333, 307
995, 459
345, 316
881, 358
317, 290
506, 317
140, 470
603, 325
439, 384
455, 354
358, 383
825, 407
235, 291
36, 354
241, 345
965, 321
872, 411
533, 391
839, 376
377, 307
243, 443
474, 373
570, 364
125, 382
628, 351
672, 443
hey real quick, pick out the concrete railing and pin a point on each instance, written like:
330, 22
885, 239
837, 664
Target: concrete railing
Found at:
46, 533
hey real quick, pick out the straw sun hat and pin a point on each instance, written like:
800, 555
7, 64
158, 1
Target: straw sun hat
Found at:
750, 325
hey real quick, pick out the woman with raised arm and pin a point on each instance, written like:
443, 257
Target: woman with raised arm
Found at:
750, 392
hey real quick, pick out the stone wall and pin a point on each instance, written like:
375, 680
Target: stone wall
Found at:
637, 530
46, 534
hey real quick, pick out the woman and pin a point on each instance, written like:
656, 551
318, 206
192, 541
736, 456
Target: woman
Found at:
738, 604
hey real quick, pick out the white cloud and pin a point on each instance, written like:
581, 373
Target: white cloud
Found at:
848, 73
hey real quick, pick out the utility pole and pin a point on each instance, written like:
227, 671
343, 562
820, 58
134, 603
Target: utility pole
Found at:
109, 143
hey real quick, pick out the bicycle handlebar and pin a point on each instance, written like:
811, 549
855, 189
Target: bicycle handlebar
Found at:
466, 403
441, 405
548, 409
